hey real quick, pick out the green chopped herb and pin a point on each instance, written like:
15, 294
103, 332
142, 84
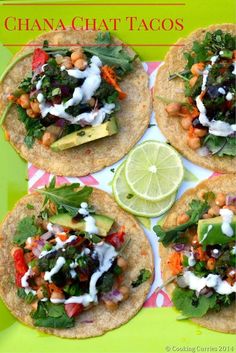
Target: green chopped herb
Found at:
143, 276
26, 228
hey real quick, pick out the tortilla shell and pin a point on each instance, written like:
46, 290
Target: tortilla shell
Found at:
97, 320
225, 320
133, 117
174, 91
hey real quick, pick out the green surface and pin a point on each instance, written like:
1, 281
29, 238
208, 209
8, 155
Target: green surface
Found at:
152, 330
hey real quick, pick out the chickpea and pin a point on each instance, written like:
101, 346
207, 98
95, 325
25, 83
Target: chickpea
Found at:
80, 64
48, 139
30, 113
197, 69
200, 132
40, 293
57, 295
59, 59
77, 54
214, 211
220, 199
67, 62
206, 216
173, 109
211, 264
110, 305
125, 292
24, 101
183, 218
35, 107
186, 123
194, 142
122, 263
192, 81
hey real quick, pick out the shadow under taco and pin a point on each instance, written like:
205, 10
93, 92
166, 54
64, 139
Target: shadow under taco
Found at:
79, 101
75, 266
198, 257
198, 114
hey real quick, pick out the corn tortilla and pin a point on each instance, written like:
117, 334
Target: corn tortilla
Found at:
225, 320
97, 320
133, 117
174, 91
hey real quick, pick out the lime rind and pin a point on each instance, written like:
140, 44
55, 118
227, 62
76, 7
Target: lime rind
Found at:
164, 180
134, 204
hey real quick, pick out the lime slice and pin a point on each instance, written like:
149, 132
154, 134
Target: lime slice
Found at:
153, 170
134, 204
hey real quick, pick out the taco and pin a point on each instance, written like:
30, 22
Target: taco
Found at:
73, 263
79, 101
194, 97
198, 253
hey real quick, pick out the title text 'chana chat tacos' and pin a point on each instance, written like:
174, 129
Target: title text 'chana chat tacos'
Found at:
198, 248
73, 264
198, 115
75, 109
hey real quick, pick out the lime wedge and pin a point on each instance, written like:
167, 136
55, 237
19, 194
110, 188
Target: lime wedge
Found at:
153, 170
134, 204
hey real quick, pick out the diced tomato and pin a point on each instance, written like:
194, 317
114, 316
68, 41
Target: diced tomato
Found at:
20, 265
116, 239
19, 260
40, 57
73, 309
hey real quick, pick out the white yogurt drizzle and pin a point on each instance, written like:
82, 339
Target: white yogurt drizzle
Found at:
207, 70
92, 76
216, 127
211, 281
59, 264
59, 244
227, 216
25, 283
106, 254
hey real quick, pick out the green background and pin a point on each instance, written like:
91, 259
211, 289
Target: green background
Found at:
152, 330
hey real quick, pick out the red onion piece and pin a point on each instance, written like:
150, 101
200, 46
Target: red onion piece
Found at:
60, 122
114, 295
46, 236
230, 200
178, 247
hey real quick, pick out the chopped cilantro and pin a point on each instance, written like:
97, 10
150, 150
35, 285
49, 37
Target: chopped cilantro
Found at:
26, 228
34, 129
143, 276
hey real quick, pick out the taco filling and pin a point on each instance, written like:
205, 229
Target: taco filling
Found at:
68, 260
203, 255
72, 94
209, 113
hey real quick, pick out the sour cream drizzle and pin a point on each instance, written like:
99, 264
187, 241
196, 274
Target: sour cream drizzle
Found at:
211, 281
83, 94
216, 127
59, 264
227, 216
25, 283
106, 254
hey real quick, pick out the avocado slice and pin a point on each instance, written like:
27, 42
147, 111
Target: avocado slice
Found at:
85, 135
103, 223
210, 232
